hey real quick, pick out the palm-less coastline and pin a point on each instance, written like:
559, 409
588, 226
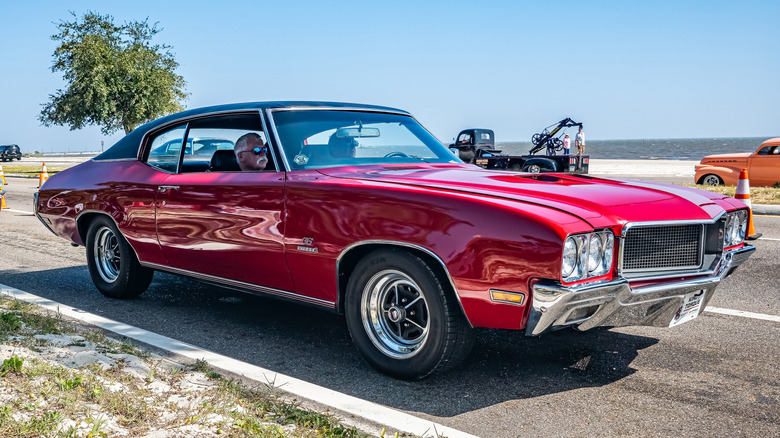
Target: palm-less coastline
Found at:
685, 149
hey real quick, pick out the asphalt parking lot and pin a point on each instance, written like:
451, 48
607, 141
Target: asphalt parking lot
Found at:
714, 376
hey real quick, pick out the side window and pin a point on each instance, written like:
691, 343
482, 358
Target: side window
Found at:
464, 138
764, 150
211, 142
164, 149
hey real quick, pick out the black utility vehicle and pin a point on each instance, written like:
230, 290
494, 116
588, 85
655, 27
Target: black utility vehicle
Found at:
10, 151
477, 146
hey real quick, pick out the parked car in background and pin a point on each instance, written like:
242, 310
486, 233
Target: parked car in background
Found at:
763, 166
361, 211
10, 151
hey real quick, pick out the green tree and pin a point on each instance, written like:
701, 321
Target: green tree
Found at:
116, 78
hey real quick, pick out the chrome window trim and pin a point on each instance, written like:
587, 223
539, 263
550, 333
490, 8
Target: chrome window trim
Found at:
407, 245
683, 272
278, 142
272, 124
188, 119
113, 159
338, 108
242, 285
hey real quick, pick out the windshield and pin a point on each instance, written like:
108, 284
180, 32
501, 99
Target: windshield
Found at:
315, 139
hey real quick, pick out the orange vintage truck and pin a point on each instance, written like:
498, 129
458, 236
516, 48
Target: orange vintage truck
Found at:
763, 166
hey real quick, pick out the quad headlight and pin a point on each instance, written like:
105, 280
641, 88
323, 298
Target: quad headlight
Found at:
587, 255
736, 228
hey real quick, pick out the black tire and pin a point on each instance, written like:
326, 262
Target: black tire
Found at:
532, 168
112, 263
711, 179
408, 341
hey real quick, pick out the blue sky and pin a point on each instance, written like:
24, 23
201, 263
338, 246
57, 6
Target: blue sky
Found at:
626, 69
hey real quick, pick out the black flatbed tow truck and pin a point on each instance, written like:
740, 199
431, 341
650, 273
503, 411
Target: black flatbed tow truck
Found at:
477, 146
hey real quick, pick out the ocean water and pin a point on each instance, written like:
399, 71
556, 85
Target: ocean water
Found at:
658, 149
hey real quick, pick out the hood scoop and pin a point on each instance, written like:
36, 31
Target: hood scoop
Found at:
541, 177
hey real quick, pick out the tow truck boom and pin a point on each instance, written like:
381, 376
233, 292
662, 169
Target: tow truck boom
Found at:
548, 139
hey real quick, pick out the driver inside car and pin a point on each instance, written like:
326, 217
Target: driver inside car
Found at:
342, 147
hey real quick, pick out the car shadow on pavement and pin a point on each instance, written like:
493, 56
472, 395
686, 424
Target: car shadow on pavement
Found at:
314, 345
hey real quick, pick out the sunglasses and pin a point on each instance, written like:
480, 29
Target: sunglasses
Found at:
257, 151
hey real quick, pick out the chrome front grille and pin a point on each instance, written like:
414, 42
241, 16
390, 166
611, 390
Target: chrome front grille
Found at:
662, 248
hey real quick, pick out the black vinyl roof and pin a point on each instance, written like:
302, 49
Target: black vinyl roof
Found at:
127, 147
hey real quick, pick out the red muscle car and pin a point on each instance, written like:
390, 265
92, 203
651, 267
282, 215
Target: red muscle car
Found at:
361, 211
763, 166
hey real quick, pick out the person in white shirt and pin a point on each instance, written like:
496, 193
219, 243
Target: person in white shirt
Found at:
579, 142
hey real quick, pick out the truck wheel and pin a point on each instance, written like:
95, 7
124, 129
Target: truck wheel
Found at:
404, 321
112, 263
532, 168
711, 180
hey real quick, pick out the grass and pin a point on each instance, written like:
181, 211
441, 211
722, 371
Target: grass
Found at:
758, 195
26, 169
42, 397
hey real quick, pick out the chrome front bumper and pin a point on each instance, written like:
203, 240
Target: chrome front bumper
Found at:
616, 304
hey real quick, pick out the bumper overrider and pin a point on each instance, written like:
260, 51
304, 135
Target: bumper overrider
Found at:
616, 304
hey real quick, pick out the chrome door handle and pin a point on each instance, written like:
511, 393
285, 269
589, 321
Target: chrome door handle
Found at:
164, 189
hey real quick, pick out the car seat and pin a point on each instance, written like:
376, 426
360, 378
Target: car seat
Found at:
224, 160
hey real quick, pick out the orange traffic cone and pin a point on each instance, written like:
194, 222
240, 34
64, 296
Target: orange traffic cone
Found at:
743, 194
44, 176
3, 205
2, 175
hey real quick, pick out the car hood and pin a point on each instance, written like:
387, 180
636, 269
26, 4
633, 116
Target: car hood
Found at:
720, 158
598, 201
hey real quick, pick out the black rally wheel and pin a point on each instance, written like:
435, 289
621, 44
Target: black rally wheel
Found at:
112, 264
402, 318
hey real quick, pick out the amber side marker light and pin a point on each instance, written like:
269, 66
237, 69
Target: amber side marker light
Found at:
507, 297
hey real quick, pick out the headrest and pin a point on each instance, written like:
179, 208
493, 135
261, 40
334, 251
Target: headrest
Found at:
224, 160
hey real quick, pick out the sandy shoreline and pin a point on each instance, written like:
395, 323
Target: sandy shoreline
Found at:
670, 168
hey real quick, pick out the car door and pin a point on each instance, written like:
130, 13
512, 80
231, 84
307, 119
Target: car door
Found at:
224, 226
227, 225
764, 166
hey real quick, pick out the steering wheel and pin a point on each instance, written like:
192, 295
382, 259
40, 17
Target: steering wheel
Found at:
396, 154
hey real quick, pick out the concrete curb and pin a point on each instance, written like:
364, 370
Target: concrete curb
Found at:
771, 210
351, 410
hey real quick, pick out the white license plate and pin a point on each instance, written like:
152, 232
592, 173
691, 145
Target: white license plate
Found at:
691, 307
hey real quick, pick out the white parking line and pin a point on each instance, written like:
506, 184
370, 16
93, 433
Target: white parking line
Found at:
19, 211
372, 412
768, 238
742, 313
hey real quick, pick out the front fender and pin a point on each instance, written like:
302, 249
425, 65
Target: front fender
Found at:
729, 174
483, 242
